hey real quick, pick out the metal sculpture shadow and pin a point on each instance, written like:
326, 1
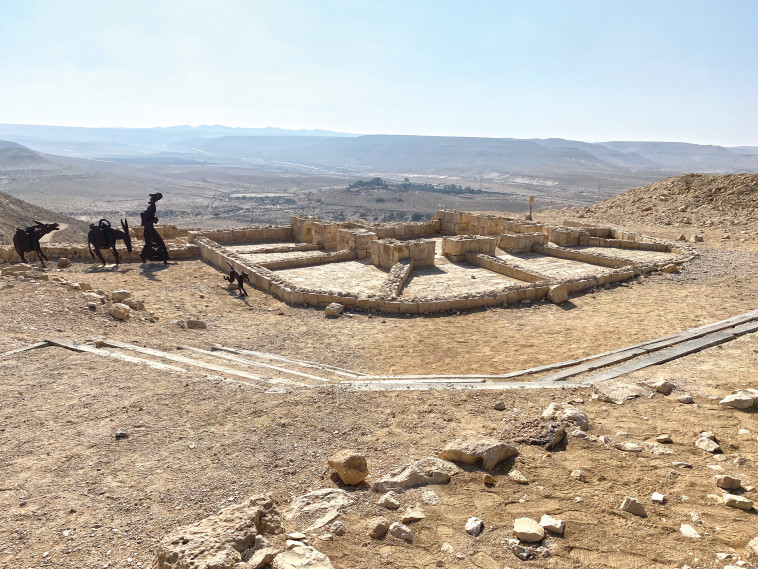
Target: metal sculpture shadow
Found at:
103, 236
237, 277
27, 240
155, 247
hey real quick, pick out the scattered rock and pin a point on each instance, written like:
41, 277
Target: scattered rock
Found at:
688, 531
523, 552
751, 549
617, 392
552, 524
528, 530
333, 310
350, 466
686, 399
739, 400
663, 386
191, 324
664, 439
401, 531
728, 482
134, 304
430, 498
707, 445
301, 556
426, 471
263, 554
377, 527
681, 464
120, 311
63, 262
578, 475
735, 501
488, 479
517, 477
633, 506
119, 295
389, 501
446, 548
474, 526
488, 452
537, 432
338, 528
566, 413
697, 238
628, 447
412, 515
122, 434
682, 237
499, 406
670, 268
658, 498
220, 539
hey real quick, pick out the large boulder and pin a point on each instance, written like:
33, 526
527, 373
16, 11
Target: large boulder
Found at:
425, 471
739, 400
350, 466
567, 413
487, 452
218, 541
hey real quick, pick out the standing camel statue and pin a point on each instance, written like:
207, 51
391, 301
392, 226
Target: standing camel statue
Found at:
27, 240
103, 236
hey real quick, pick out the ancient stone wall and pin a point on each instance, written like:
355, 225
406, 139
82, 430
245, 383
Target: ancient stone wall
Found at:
521, 242
386, 253
456, 246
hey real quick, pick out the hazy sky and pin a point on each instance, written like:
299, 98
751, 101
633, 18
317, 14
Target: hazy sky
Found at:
588, 70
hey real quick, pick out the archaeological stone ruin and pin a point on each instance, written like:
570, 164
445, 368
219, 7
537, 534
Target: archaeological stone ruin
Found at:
455, 261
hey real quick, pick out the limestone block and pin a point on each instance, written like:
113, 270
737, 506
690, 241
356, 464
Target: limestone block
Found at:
528, 530
350, 466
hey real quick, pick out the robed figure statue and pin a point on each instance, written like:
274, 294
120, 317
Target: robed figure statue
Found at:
155, 248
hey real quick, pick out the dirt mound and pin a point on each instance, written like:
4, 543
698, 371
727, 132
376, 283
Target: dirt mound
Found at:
693, 199
18, 213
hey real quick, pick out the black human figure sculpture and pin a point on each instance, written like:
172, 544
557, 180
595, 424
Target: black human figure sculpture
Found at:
27, 240
155, 248
239, 278
103, 236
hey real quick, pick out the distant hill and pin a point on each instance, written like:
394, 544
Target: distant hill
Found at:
693, 199
18, 213
383, 154
14, 156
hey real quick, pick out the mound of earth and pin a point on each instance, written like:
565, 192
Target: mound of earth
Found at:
693, 199
18, 213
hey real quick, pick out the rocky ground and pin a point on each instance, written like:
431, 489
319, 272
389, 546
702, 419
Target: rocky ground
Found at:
72, 494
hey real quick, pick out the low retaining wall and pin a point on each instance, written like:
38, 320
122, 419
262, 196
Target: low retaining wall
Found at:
498, 265
573, 255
